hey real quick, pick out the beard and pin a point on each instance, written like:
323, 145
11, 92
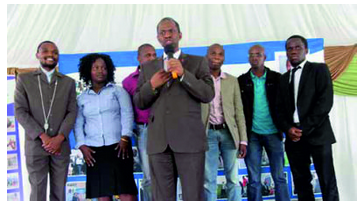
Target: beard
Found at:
215, 66
49, 66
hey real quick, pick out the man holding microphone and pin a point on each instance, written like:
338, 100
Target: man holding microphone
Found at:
176, 135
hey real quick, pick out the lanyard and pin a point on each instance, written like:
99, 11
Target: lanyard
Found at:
46, 125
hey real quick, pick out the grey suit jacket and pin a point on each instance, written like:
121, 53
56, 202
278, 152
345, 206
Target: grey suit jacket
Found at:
232, 109
175, 117
29, 113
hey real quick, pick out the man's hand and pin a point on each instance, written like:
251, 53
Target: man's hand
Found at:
174, 65
45, 139
294, 134
87, 155
54, 144
242, 151
159, 78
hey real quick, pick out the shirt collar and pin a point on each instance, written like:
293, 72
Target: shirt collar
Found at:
137, 72
176, 55
302, 64
48, 73
253, 76
89, 90
222, 75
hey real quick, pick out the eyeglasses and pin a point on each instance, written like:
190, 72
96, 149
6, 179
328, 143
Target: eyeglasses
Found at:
164, 32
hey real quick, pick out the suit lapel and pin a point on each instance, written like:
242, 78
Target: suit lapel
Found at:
287, 82
43, 77
224, 91
159, 65
54, 77
184, 60
303, 79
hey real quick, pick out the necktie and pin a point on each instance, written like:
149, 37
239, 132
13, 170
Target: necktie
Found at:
166, 69
292, 87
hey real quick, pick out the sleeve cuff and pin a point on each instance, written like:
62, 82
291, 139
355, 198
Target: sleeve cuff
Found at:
181, 78
78, 145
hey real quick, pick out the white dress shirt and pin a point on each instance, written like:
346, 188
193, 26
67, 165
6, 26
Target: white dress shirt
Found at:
176, 55
49, 74
296, 88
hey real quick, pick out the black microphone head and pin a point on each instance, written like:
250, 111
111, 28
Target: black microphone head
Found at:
169, 50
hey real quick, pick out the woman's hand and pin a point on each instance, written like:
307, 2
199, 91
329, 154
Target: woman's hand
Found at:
122, 147
87, 155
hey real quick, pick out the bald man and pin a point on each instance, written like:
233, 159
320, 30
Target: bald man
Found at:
226, 128
258, 89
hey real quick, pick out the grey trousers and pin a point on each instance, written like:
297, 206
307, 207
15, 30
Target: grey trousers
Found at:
39, 166
167, 166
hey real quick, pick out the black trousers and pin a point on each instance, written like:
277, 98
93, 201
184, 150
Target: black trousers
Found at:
165, 168
299, 154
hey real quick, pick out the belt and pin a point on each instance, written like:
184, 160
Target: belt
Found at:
141, 123
218, 126
297, 125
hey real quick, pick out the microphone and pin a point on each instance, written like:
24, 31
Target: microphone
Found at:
169, 50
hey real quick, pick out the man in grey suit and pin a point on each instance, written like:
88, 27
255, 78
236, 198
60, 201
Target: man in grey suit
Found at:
45, 106
176, 135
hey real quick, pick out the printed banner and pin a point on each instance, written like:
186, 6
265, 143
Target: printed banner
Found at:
236, 63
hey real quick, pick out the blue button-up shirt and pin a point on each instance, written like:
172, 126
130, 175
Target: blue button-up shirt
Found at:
103, 117
262, 122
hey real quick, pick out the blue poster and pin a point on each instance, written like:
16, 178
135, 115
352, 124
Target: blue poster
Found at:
14, 166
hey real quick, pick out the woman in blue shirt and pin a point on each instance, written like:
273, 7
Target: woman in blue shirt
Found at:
102, 131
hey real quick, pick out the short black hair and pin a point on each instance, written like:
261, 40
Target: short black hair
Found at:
142, 47
300, 37
85, 67
168, 19
46, 41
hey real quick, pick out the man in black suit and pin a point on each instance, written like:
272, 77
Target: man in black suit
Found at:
176, 135
305, 99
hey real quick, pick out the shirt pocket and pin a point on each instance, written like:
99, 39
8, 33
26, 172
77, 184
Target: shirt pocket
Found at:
110, 103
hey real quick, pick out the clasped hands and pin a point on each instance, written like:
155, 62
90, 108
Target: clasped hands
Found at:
294, 134
161, 77
52, 144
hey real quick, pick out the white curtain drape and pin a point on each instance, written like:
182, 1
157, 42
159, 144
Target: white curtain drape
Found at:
105, 28
344, 117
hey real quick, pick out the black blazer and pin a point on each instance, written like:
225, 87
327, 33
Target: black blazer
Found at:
248, 95
314, 102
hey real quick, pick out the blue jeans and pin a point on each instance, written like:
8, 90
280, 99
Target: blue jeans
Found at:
144, 161
221, 141
275, 152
